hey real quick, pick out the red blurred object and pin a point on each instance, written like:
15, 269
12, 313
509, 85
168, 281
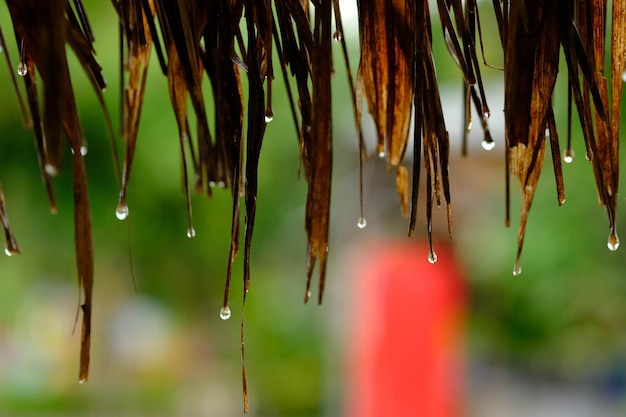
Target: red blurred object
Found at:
405, 338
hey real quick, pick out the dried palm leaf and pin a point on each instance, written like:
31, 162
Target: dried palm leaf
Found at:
531, 64
44, 30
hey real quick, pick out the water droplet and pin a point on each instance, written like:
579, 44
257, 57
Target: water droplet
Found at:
83, 149
8, 251
486, 111
517, 269
211, 184
624, 76
337, 36
488, 145
547, 133
225, 313
469, 126
568, 156
308, 294
82, 380
381, 154
122, 211
432, 257
51, 170
613, 242
1, 49
361, 223
587, 156
191, 232
22, 69
269, 115
221, 184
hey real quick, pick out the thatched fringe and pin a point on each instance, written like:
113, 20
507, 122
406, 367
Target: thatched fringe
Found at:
396, 76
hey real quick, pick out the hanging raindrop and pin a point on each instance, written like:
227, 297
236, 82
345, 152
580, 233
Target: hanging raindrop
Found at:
488, 145
381, 154
225, 313
568, 156
8, 251
361, 223
337, 36
613, 242
22, 69
269, 115
432, 257
122, 211
191, 232
517, 269
624, 76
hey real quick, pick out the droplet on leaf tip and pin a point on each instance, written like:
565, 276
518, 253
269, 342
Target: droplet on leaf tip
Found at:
568, 156
517, 269
22, 69
122, 211
613, 242
191, 232
623, 75
83, 149
8, 251
361, 223
225, 313
432, 257
488, 145
468, 127
269, 115
337, 36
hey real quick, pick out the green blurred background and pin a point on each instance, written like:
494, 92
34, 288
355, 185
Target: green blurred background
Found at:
164, 351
